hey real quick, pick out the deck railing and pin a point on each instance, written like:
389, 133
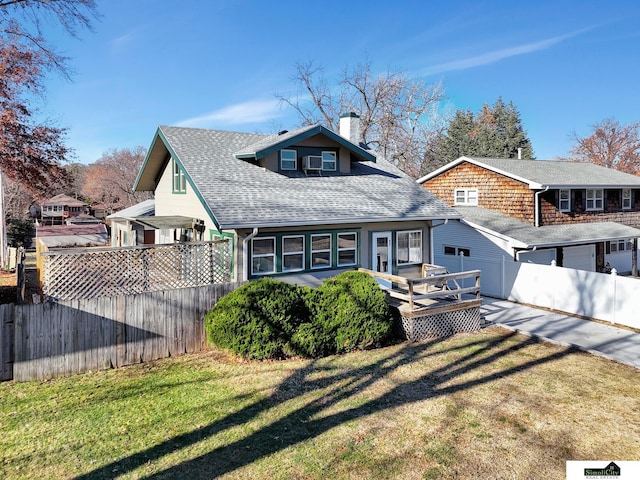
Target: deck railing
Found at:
435, 284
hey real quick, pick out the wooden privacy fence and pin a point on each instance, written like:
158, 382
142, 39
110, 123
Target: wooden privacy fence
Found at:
53, 339
88, 273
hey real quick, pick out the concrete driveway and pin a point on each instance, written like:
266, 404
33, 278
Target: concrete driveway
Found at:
606, 340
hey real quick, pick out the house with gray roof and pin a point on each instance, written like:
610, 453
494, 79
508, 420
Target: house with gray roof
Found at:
306, 203
579, 215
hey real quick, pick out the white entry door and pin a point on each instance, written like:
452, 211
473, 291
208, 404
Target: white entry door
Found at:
382, 255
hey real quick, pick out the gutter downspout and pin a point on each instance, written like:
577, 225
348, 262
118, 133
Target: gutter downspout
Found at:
431, 255
536, 206
245, 254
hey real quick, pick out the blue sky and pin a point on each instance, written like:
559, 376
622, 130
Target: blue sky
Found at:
218, 63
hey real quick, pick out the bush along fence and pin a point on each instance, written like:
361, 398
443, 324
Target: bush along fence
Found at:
42, 341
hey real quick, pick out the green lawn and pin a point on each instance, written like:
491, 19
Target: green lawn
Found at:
492, 404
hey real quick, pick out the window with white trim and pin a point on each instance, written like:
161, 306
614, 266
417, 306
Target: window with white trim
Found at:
321, 251
564, 200
619, 246
466, 196
347, 248
329, 161
288, 160
292, 253
409, 247
595, 199
626, 198
179, 179
263, 255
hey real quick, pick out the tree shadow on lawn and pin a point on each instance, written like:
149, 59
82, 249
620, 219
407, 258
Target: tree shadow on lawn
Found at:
308, 421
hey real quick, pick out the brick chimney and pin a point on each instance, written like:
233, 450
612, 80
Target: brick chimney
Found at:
350, 127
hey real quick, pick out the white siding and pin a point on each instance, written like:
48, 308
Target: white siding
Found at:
542, 257
186, 204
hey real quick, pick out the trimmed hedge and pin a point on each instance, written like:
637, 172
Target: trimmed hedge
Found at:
257, 320
268, 318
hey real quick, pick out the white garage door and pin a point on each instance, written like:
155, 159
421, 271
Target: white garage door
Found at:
582, 257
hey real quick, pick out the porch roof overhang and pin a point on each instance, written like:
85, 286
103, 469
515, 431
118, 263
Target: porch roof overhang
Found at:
524, 236
162, 222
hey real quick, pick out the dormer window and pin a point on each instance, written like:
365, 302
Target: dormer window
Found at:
329, 161
595, 199
466, 196
288, 160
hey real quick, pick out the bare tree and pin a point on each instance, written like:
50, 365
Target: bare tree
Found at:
611, 145
397, 114
110, 180
31, 152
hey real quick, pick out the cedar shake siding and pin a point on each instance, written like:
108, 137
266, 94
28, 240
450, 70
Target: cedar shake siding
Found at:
495, 192
612, 209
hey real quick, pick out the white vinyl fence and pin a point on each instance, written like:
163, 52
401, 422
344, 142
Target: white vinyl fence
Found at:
602, 296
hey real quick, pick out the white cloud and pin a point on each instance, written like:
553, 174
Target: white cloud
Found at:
123, 41
253, 111
496, 56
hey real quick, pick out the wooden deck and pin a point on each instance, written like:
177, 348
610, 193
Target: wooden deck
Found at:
435, 289
436, 304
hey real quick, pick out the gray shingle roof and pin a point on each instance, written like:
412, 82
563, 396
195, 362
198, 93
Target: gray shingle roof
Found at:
545, 236
241, 194
142, 209
559, 174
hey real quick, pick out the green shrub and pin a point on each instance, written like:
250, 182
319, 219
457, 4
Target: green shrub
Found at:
273, 319
257, 320
351, 312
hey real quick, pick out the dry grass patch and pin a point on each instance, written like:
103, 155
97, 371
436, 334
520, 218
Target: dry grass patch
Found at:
492, 404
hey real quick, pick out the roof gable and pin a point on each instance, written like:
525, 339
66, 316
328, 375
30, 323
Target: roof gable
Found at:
64, 200
273, 143
539, 174
241, 194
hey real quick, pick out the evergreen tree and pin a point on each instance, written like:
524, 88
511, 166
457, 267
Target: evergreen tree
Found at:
495, 132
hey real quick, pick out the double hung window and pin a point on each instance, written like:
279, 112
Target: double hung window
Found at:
288, 160
292, 253
409, 247
347, 248
329, 161
626, 198
179, 179
595, 199
321, 251
564, 201
263, 254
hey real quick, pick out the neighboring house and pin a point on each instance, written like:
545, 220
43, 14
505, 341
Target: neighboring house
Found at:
99, 210
579, 215
307, 202
124, 226
59, 208
67, 236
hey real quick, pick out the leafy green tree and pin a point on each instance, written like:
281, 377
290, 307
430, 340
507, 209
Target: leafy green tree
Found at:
496, 132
